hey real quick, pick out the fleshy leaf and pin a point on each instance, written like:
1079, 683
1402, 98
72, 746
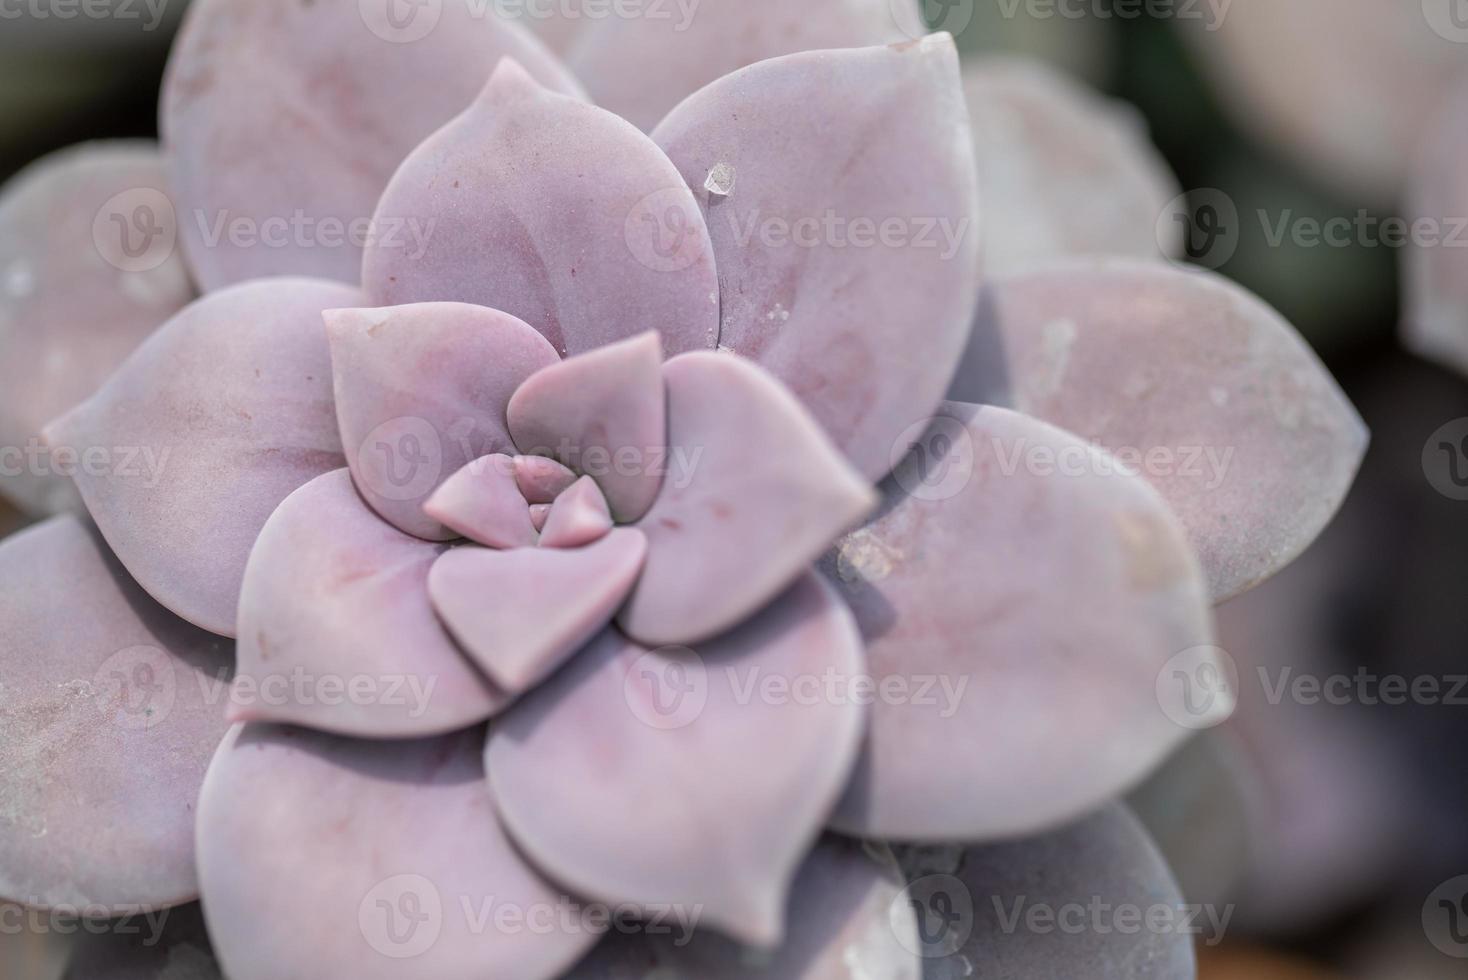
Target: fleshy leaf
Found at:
641, 67
421, 392
578, 517
847, 921
1014, 570
1062, 170
556, 212
1095, 900
541, 480
336, 630
88, 270
1197, 384
756, 492
521, 613
111, 708
483, 503
284, 121
170, 944
391, 851
539, 514
743, 779
1435, 275
603, 414
214, 421
844, 229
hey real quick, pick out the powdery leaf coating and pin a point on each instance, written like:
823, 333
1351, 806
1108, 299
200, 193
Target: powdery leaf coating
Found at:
73, 304
641, 67
483, 503
365, 857
421, 392
848, 249
847, 921
520, 614
109, 711
1105, 861
1435, 276
1020, 590
215, 420
336, 596
1347, 87
603, 413
162, 945
579, 517
284, 121
759, 494
556, 212
1199, 385
743, 781
1062, 170
541, 480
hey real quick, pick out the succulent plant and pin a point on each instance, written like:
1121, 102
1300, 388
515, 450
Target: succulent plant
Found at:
590, 524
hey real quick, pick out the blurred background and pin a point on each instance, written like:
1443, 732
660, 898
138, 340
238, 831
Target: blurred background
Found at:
1337, 831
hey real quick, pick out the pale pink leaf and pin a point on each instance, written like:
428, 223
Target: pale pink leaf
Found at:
483, 503
579, 517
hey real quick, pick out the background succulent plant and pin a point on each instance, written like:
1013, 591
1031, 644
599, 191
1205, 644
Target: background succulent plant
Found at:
544, 256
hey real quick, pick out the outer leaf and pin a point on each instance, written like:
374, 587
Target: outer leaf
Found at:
640, 67
109, 710
284, 122
336, 631
1199, 385
757, 495
204, 431
1025, 595
847, 921
168, 945
87, 271
421, 392
390, 851
1063, 171
520, 614
846, 239
1095, 900
1435, 323
741, 780
558, 213
605, 415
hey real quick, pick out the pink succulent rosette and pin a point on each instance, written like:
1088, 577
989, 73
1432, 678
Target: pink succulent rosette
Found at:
590, 553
